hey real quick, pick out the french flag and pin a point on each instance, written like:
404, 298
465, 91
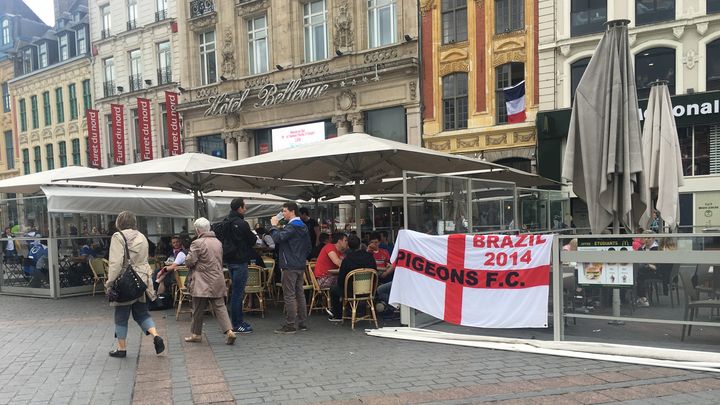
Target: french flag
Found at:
515, 102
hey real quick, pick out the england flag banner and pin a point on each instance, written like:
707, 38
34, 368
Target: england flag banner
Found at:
489, 281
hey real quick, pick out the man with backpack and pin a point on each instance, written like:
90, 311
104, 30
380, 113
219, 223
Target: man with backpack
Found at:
237, 239
293, 242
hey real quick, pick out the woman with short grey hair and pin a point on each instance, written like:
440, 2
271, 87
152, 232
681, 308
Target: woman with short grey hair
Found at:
207, 282
137, 246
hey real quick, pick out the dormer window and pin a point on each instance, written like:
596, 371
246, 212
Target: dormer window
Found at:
27, 60
64, 47
82, 41
5, 32
43, 54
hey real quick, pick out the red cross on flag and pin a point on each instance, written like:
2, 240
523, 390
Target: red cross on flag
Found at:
490, 281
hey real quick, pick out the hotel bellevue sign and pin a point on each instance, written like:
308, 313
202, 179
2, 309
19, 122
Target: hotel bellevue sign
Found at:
268, 96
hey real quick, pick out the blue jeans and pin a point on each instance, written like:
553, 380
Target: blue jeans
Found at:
239, 274
140, 314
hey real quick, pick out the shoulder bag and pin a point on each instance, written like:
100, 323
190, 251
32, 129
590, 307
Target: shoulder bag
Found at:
129, 286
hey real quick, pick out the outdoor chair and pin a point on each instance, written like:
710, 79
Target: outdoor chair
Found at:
674, 285
692, 297
99, 270
270, 271
319, 295
255, 288
364, 284
182, 293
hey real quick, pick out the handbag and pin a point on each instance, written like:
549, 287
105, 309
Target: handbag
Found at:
129, 286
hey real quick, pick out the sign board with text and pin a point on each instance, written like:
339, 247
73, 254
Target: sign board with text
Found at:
296, 135
610, 274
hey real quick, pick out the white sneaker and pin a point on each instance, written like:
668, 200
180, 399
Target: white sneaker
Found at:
329, 312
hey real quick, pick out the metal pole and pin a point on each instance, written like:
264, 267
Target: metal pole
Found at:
54, 271
468, 211
357, 208
557, 292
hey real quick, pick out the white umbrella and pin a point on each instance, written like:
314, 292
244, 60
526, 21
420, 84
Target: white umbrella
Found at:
31, 183
661, 150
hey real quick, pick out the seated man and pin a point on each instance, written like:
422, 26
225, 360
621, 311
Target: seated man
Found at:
36, 264
177, 258
385, 271
356, 258
330, 257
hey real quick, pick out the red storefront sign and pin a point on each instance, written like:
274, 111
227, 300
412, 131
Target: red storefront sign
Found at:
173, 123
117, 118
93, 126
145, 129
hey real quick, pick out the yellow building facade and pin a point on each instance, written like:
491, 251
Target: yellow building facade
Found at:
9, 153
470, 51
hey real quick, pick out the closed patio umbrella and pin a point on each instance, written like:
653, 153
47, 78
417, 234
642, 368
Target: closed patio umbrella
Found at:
661, 150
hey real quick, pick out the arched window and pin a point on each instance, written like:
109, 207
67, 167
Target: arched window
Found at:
577, 70
654, 64
455, 101
5, 32
652, 11
712, 67
587, 16
507, 75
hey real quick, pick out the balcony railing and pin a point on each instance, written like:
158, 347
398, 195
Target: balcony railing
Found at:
161, 15
135, 82
201, 7
105, 33
109, 88
131, 25
164, 76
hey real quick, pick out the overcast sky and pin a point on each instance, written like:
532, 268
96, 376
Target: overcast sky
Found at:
44, 9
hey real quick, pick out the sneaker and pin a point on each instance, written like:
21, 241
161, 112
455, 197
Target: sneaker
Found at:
329, 312
643, 302
334, 319
302, 327
286, 330
244, 328
159, 344
230, 338
380, 307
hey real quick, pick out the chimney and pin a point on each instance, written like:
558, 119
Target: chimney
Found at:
62, 6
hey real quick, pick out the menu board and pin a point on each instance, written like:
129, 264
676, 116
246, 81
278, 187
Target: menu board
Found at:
611, 274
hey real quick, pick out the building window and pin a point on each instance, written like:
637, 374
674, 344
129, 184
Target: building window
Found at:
23, 115
46, 108
106, 21
387, 123
59, 105
258, 45
713, 6
5, 32
652, 11
654, 64
712, 67
454, 21
212, 145
27, 60
135, 78
82, 41
162, 10
381, 22
455, 101
43, 55
507, 75
700, 149
109, 77
9, 150
132, 14
34, 112
587, 16
38, 159
26, 161
64, 48
76, 152
164, 63
87, 97
208, 68
72, 95
315, 22
50, 156
577, 70
62, 148
6, 97
509, 15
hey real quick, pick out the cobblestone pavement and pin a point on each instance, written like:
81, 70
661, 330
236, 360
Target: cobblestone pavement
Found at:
56, 352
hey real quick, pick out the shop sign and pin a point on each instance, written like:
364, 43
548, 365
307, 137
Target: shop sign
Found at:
296, 135
707, 209
692, 109
117, 117
173, 123
612, 274
268, 96
145, 128
93, 125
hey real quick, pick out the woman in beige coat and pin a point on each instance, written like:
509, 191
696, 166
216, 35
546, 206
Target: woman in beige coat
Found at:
138, 249
207, 281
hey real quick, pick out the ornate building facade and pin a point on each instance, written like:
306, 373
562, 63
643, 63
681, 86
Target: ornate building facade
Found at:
471, 51
261, 75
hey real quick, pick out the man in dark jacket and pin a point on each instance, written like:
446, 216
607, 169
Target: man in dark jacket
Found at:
238, 238
356, 258
293, 245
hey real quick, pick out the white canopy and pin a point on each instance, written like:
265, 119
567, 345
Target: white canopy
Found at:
30, 183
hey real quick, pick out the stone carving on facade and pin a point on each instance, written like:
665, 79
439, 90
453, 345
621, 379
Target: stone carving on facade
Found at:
468, 143
678, 31
207, 92
494, 140
314, 70
59, 132
505, 57
340, 121
343, 38
426, 6
523, 137
690, 58
413, 90
23, 139
381, 55
47, 134
251, 7
509, 42
442, 145
242, 136
701, 27
204, 22
257, 81
228, 53
34, 136
453, 54
346, 100
357, 119
448, 68
73, 128
229, 137
232, 120
565, 50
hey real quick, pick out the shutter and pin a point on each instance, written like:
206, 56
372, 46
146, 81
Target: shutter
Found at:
714, 141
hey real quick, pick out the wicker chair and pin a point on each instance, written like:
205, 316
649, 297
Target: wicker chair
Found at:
255, 287
319, 295
182, 293
99, 270
364, 284
270, 272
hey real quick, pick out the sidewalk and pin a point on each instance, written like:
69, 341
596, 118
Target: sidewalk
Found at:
55, 351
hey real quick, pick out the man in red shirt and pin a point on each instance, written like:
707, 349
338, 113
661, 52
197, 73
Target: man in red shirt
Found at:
330, 257
382, 256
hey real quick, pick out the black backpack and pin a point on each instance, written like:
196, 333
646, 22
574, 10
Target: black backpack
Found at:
223, 231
